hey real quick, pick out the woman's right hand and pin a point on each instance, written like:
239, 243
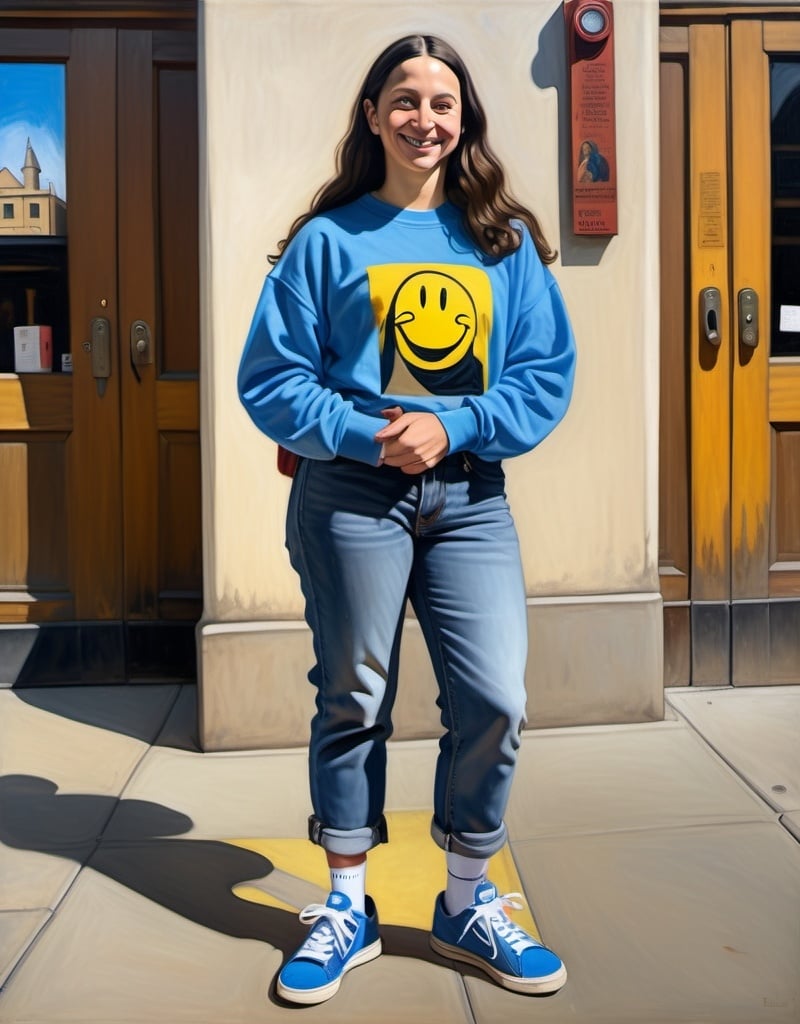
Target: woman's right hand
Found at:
412, 441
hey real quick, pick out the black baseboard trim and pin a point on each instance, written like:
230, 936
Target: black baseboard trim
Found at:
765, 642
96, 653
745, 643
711, 643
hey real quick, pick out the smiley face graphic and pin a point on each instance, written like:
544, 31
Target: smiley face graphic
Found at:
433, 335
434, 319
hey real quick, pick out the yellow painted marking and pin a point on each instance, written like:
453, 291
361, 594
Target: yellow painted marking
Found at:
404, 876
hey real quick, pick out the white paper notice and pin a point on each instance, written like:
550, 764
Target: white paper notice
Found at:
790, 318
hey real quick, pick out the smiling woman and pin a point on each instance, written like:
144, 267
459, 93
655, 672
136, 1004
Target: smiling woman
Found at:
409, 339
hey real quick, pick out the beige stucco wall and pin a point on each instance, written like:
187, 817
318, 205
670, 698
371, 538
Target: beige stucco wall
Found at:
277, 83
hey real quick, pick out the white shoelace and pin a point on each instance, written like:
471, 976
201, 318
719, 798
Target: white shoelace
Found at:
492, 919
336, 932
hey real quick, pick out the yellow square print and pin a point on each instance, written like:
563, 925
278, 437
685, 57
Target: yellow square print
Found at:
434, 324
403, 877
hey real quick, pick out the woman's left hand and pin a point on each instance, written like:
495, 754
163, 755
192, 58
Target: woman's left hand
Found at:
412, 441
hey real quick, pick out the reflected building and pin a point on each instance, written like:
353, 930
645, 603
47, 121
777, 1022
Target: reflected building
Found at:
27, 209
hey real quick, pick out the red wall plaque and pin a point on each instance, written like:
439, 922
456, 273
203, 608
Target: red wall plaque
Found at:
590, 39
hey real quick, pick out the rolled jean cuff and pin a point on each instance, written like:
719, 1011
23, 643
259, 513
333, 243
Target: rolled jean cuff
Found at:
350, 841
480, 845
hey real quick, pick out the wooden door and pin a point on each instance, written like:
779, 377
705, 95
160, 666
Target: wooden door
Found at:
159, 312
730, 429
100, 574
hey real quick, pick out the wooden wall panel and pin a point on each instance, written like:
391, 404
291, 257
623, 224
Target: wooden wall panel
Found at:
158, 143
180, 573
95, 466
137, 301
34, 511
710, 364
782, 36
787, 496
784, 392
36, 402
750, 202
48, 558
677, 645
178, 224
13, 514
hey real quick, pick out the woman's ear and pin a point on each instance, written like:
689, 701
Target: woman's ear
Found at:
371, 115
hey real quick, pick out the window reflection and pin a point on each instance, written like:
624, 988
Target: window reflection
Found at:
28, 207
33, 217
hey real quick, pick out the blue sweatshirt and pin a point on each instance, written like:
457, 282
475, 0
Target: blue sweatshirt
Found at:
372, 306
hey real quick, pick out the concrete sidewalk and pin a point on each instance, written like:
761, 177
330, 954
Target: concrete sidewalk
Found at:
661, 861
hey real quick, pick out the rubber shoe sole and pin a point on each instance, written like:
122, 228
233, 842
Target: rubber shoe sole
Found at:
311, 996
527, 986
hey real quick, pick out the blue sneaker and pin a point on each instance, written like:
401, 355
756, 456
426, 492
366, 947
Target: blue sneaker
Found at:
340, 938
484, 936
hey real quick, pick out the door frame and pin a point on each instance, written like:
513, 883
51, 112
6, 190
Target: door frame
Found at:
731, 610
82, 631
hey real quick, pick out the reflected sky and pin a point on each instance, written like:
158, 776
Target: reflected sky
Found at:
33, 104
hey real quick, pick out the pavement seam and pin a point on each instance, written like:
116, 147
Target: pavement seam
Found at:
674, 826
760, 796
148, 747
28, 950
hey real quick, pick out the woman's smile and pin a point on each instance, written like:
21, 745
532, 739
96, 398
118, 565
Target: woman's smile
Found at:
420, 143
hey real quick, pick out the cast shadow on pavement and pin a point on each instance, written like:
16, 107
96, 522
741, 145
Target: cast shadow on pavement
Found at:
164, 715
191, 877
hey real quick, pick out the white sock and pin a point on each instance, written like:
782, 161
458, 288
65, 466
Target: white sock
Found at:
352, 881
463, 874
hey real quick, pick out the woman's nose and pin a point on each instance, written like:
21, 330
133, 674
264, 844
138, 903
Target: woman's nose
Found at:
425, 115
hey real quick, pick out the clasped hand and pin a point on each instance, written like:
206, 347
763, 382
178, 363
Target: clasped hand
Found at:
412, 441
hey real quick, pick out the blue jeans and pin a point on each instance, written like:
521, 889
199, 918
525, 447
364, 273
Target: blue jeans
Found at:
365, 540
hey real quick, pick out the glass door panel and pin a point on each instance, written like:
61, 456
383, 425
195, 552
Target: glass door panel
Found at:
785, 147
34, 311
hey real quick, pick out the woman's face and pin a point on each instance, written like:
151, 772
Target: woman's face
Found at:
417, 116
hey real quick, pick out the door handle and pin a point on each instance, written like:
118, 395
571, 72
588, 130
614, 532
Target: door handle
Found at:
748, 317
141, 343
100, 348
711, 315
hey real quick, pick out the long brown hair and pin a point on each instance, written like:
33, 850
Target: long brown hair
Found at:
474, 178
